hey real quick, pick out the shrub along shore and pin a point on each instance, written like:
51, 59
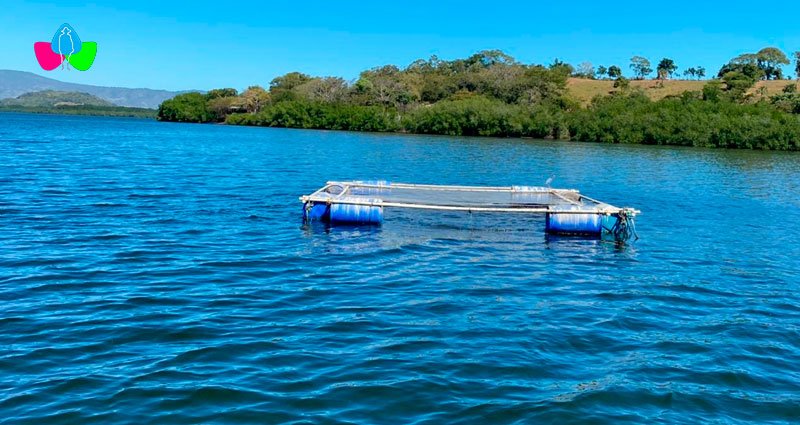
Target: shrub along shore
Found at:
491, 94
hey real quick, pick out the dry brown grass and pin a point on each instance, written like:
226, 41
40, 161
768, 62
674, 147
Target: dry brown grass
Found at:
583, 90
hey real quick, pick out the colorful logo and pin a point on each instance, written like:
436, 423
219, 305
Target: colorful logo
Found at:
66, 49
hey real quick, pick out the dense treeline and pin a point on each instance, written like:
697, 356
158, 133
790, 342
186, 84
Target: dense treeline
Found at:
491, 94
480, 116
688, 121
320, 115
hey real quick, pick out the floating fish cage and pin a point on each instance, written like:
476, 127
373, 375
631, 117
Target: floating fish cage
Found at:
566, 211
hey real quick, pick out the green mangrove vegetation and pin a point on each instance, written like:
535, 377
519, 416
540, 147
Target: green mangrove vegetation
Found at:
492, 94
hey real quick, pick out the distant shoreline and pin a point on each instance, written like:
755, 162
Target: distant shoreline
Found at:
749, 105
105, 111
629, 117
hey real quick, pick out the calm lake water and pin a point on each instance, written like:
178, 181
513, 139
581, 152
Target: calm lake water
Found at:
155, 273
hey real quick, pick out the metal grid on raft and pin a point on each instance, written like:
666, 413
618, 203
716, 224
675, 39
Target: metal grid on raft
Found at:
519, 199
567, 210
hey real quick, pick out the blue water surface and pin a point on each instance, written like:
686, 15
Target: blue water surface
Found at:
158, 273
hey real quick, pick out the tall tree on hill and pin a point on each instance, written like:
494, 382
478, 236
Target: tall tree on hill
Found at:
766, 64
691, 72
640, 67
585, 70
601, 71
666, 68
701, 72
491, 57
746, 64
770, 60
614, 71
797, 64
561, 67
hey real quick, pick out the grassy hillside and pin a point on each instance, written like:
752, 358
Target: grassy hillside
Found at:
583, 90
53, 98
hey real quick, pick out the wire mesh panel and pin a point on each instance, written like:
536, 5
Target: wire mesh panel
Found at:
494, 198
567, 211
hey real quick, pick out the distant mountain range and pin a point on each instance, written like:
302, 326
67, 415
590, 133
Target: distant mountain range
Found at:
15, 83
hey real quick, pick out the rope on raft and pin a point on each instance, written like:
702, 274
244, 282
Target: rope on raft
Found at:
625, 227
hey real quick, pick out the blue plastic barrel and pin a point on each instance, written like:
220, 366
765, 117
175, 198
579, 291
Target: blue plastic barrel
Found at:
573, 224
316, 211
356, 214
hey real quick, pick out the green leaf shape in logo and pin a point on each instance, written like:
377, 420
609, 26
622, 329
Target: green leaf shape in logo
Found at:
84, 59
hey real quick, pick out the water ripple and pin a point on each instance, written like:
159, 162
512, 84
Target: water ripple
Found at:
159, 273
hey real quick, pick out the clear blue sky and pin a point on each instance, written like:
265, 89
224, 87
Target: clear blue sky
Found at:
203, 45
